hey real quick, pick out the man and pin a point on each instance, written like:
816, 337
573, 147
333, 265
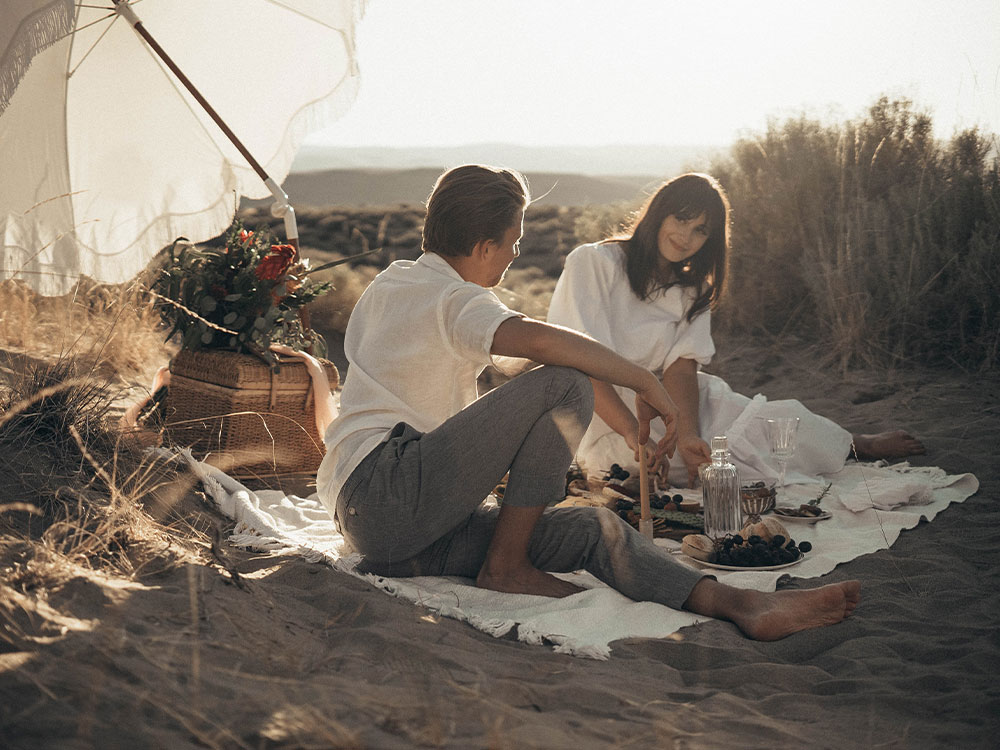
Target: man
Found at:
414, 451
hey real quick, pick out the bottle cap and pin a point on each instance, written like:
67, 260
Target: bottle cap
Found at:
720, 443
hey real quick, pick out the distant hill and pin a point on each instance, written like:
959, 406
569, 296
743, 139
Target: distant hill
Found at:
380, 187
616, 160
567, 176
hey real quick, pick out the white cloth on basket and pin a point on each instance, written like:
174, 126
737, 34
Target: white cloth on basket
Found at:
593, 295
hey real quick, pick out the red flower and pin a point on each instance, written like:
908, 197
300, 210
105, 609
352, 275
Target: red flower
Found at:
273, 265
245, 236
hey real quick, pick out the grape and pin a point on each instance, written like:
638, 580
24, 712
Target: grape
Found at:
805, 547
777, 540
678, 498
755, 539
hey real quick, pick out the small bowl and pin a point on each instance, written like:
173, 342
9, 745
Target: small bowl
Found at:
690, 506
756, 499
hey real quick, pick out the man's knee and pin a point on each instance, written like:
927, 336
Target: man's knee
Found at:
600, 524
574, 384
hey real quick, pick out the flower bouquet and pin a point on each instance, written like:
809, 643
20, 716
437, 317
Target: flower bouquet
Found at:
251, 410
242, 297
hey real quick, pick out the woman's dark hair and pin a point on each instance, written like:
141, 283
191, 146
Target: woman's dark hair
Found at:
472, 203
686, 197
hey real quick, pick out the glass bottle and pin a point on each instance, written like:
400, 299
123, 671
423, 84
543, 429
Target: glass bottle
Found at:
720, 491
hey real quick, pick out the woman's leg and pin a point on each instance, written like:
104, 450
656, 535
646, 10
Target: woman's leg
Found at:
421, 486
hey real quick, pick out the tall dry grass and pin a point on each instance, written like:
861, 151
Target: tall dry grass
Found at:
77, 491
869, 238
115, 328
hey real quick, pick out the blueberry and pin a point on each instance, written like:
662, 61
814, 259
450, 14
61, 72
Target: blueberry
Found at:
805, 547
737, 540
678, 498
777, 540
755, 539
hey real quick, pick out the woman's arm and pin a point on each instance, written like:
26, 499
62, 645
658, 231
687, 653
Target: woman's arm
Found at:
554, 345
681, 381
608, 405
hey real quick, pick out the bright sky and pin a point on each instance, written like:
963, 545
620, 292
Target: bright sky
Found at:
595, 72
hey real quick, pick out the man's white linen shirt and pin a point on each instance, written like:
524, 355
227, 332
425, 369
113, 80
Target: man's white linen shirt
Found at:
416, 342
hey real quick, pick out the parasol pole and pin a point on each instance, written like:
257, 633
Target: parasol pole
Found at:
645, 516
281, 208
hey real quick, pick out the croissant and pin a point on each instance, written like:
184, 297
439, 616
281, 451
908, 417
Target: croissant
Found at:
698, 546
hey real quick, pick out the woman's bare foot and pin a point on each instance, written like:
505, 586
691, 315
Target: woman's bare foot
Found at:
769, 616
772, 616
892, 444
526, 581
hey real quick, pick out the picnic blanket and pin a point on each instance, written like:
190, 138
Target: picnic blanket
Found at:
586, 623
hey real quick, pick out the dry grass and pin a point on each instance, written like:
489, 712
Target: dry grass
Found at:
79, 495
115, 329
869, 237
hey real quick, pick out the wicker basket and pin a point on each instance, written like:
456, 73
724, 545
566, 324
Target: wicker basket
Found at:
248, 418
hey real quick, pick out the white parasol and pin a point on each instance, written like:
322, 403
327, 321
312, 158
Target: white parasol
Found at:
106, 156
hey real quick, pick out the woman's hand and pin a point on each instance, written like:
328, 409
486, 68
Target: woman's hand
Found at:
694, 452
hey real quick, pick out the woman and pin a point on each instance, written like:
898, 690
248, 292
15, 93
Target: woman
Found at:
648, 294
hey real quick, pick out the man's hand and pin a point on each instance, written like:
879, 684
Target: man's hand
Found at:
650, 405
694, 451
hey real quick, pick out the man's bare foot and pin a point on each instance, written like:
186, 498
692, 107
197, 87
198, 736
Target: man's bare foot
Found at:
892, 444
526, 581
774, 615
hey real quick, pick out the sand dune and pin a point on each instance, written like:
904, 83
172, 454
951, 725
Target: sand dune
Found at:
295, 655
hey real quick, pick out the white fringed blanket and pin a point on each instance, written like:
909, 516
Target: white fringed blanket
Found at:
586, 623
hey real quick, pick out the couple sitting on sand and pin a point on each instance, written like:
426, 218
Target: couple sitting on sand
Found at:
414, 452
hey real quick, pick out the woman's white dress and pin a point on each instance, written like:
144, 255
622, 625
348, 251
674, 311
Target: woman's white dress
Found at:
593, 295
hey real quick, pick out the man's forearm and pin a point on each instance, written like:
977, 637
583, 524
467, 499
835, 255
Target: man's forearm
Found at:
554, 345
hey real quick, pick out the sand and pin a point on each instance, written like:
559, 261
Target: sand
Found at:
296, 655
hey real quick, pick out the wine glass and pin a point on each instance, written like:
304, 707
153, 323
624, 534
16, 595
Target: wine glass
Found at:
782, 432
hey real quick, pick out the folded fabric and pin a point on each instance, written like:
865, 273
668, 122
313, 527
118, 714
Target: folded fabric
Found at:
886, 493
889, 487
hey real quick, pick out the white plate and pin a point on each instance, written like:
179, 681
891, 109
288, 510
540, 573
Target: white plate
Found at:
803, 519
745, 567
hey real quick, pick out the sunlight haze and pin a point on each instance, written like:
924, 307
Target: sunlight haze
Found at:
589, 72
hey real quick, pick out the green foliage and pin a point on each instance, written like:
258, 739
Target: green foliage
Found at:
872, 238
240, 297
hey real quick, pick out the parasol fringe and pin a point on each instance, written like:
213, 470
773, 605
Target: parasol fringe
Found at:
41, 29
